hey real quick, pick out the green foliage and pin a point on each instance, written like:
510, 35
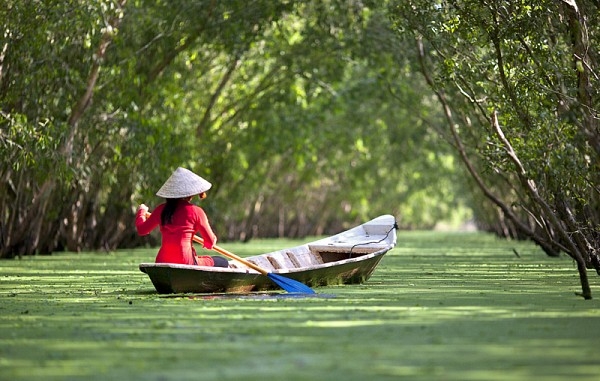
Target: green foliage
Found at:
305, 115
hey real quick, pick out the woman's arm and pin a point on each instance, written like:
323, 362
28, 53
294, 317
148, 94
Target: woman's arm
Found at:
143, 224
203, 226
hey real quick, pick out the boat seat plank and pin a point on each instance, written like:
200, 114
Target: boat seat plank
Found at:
305, 259
286, 261
277, 262
293, 260
262, 262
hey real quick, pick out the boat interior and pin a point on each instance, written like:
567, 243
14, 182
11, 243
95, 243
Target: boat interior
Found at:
306, 256
368, 238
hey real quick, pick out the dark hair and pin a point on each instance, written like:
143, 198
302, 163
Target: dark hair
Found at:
166, 217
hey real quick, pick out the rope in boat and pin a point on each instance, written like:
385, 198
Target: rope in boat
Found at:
395, 226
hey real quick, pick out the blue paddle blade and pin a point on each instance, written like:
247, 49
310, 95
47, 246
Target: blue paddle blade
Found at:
290, 285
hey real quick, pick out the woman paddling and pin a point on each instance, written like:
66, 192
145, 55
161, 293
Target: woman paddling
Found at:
179, 220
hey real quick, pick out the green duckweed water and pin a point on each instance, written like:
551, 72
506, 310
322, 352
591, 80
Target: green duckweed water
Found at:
440, 306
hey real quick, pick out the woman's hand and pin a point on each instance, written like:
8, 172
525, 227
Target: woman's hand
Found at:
144, 208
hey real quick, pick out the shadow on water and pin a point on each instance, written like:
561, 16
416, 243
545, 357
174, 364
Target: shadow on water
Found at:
251, 296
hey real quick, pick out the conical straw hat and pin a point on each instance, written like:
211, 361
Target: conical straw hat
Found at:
183, 183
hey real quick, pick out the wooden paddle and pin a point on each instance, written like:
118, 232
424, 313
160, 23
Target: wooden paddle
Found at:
289, 285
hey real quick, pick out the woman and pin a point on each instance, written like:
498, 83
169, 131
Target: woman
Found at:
179, 220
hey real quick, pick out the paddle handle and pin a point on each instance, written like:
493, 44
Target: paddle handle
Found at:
227, 253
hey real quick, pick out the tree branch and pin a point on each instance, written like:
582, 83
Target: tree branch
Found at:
531, 186
467, 162
233, 65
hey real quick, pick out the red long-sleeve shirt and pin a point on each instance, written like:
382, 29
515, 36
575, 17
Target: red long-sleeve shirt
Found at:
176, 244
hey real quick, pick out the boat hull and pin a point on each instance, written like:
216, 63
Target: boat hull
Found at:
171, 279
